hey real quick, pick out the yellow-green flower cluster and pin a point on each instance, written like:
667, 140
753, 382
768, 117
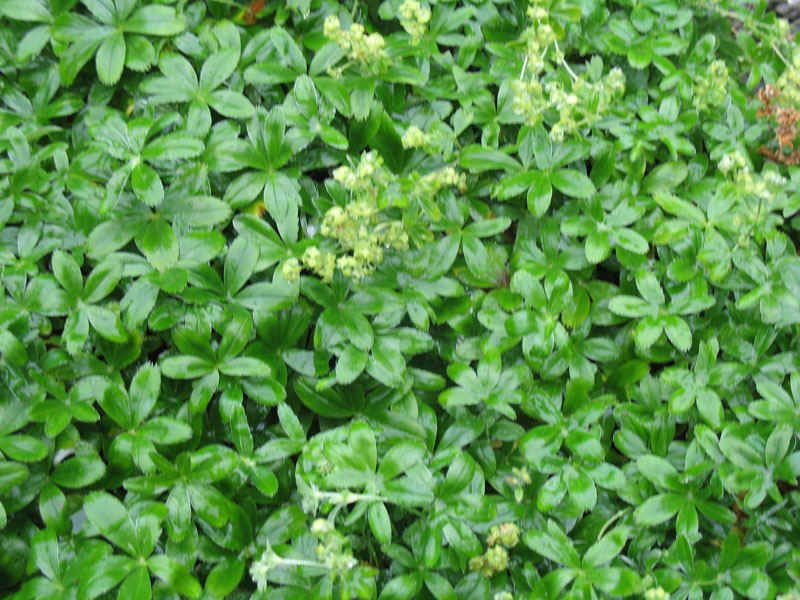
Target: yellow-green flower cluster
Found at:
414, 137
756, 196
790, 595
539, 37
361, 232
580, 104
446, 177
711, 87
368, 176
261, 567
506, 534
733, 161
357, 228
765, 186
368, 50
332, 549
656, 594
503, 596
528, 100
577, 107
321, 263
414, 18
291, 270
495, 559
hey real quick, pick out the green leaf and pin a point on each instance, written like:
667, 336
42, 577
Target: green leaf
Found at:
44, 296
400, 458
80, 51
679, 208
379, 522
386, 364
585, 446
558, 549
572, 183
11, 474
281, 197
326, 403
160, 245
678, 332
44, 551
108, 514
245, 366
209, 504
155, 19
217, 68
649, 287
68, 274
630, 240
239, 264
106, 323
186, 367
615, 580
175, 575
358, 329
487, 227
173, 146
438, 586
648, 331
665, 177
79, 471
710, 407
20, 10
658, 509
403, 587
165, 430
230, 104
110, 58
144, 391
147, 185
660, 472
604, 550
629, 306
476, 158
136, 585
350, 364
12, 349
224, 577
476, 256
103, 575
140, 54
598, 247
24, 448
540, 194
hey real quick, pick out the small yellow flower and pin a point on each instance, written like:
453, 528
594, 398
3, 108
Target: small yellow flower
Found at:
291, 270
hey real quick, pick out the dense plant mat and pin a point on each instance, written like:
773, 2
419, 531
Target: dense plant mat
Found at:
461, 300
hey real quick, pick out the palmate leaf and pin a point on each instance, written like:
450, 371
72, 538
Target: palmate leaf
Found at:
107, 38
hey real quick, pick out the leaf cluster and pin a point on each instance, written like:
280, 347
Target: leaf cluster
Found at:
443, 300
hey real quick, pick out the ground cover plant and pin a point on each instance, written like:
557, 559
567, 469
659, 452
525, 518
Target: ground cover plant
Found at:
450, 300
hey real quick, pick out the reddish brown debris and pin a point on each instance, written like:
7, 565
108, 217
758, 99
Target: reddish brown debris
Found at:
252, 11
783, 131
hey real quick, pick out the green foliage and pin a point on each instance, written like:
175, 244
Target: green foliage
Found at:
442, 300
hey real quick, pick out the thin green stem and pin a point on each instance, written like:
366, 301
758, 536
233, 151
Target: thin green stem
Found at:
563, 61
612, 520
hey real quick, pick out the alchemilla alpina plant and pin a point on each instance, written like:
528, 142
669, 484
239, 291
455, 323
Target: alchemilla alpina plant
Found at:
456, 300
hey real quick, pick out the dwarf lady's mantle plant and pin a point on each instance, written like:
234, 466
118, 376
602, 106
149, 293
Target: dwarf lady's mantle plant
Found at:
411, 299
